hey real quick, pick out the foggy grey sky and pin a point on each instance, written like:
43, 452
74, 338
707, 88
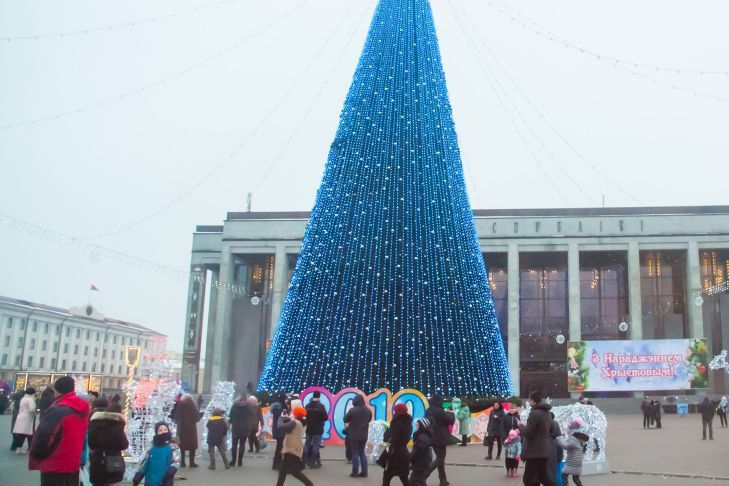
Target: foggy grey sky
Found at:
105, 168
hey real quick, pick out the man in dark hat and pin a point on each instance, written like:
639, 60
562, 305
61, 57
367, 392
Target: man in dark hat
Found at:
441, 421
59, 438
316, 418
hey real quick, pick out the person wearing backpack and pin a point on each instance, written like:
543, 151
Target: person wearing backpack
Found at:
107, 440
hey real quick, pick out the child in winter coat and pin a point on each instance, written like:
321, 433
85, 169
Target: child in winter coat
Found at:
421, 456
217, 435
574, 443
512, 453
161, 462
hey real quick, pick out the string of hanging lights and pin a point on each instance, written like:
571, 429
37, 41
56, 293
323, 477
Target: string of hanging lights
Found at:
468, 19
96, 253
112, 27
159, 82
526, 22
502, 98
230, 156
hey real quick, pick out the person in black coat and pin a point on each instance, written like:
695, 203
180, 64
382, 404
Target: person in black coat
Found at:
217, 435
241, 416
645, 407
495, 431
512, 420
106, 438
316, 417
357, 422
707, 417
539, 446
398, 435
46, 399
441, 422
421, 457
276, 410
656, 412
553, 464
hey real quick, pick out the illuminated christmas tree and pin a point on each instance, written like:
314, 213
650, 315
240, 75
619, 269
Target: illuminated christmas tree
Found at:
390, 288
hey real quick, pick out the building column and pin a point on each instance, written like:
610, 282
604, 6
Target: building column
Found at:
280, 266
573, 288
217, 351
212, 309
193, 327
634, 299
693, 290
513, 352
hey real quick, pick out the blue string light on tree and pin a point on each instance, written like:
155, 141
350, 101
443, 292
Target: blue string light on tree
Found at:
390, 289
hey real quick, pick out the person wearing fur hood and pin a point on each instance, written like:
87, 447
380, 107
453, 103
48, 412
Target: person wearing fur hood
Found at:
106, 439
574, 444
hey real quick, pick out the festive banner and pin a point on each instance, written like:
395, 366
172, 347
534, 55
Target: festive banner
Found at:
637, 365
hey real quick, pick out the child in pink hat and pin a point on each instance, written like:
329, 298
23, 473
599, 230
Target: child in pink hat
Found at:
512, 453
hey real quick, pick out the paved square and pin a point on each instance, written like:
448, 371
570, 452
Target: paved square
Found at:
674, 455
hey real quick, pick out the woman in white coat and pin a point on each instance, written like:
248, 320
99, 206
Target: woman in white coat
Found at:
25, 422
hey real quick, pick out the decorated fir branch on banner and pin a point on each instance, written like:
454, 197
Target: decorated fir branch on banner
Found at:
697, 356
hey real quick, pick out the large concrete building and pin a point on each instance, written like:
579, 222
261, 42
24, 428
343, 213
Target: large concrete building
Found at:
48, 340
555, 273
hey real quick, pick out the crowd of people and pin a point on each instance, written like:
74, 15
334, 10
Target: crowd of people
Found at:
67, 436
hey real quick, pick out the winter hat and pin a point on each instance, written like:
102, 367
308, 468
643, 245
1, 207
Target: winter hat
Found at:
575, 425
114, 407
64, 384
400, 408
30, 391
100, 403
299, 412
316, 395
513, 434
422, 423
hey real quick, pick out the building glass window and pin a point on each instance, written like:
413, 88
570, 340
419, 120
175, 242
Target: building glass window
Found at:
83, 367
78, 333
113, 355
63, 364
65, 347
103, 353
58, 330
5, 359
88, 334
17, 360
43, 345
115, 339
42, 362
75, 349
93, 368
10, 322
30, 361
96, 352
7, 341
35, 326
73, 365
663, 294
97, 336
32, 343
20, 342
603, 294
714, 280
22, 324
45, 330
68, 331
106, 338
53, 363
55, 347
86, 350
496, 267
543, 315
103, 367
120, 370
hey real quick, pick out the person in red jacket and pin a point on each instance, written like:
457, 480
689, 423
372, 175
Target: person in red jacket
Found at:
60, 436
